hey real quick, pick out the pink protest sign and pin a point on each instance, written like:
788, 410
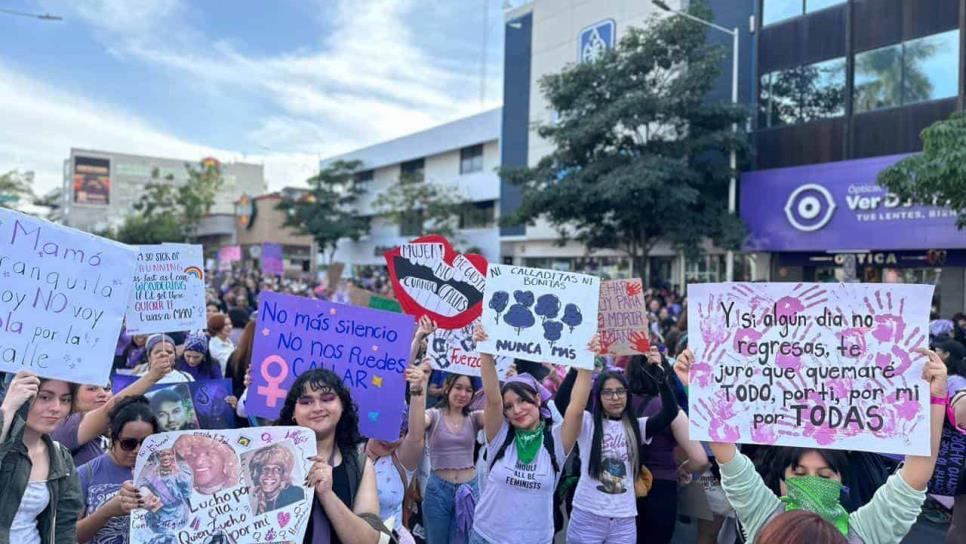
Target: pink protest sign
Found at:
368, 349
229, 254
811, 365
622, 318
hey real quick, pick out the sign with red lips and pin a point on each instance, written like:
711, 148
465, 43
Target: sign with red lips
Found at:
430, 278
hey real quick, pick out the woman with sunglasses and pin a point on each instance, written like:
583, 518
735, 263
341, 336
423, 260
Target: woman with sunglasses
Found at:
82, 432
107, 481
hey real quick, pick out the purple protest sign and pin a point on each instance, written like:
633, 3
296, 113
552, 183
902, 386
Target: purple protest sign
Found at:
272, 260
368, 349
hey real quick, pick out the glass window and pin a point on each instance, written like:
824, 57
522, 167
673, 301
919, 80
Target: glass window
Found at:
878, 78
773, 11
815, 5
478, 215
931, 67
471, 159
364, 176
412, 171
411, 223
823, 89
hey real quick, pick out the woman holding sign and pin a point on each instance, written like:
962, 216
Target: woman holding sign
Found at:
525, 452
812, 482
344, 481
41, 491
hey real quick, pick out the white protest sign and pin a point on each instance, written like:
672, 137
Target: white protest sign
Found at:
455, 351
540, 315
63, 294
810, 365
169, 290
244, 486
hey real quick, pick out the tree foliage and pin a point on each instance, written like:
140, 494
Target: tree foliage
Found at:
325, 211
639, 154
16, 186
433, 207
937, 176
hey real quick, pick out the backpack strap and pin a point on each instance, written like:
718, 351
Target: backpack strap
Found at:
549, 446
354, 469
401, 470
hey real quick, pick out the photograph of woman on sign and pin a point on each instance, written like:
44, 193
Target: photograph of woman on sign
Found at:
165, 486
214, 465
174, 408
271, 473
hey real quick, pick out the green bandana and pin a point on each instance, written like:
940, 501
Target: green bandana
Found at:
817, 495
528, 444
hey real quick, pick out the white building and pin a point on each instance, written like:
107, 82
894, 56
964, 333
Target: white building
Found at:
464, 154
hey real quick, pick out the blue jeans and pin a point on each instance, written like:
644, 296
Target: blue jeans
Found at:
439, 509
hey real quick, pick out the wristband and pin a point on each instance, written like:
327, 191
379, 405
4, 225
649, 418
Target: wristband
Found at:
939, 401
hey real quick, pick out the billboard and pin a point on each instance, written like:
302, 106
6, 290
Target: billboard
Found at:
92, 181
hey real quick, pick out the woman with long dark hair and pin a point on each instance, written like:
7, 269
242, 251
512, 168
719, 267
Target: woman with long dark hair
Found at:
344, 482
107, 484
525, 452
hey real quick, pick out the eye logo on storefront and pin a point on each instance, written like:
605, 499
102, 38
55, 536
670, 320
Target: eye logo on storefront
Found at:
595, 40
810, 207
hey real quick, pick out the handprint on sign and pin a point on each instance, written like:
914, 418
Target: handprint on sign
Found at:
719, 415
791, 360
714, 327
639, 341
607, 340
634, 288
802, 298
900, 354
745, 338
889, 326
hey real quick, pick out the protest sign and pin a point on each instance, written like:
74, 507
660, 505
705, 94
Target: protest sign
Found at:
272, 263
228, 255
63, 294
368, 299
453, 350
242, 486
190, 405
334, 274
430, 278
622, 319
169, 290
810, 365
368, 349
949, 477
538, 315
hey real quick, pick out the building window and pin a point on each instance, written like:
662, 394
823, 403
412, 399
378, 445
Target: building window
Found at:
913, 71
776, 11
412, 171
805, 93
411, 223
471, 159
478, 215
364, 176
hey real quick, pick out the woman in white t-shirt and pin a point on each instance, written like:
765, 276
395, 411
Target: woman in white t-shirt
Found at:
610, 439
525, 452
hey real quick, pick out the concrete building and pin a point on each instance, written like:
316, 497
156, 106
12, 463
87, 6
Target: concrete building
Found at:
101, 188
257, 221
463, 154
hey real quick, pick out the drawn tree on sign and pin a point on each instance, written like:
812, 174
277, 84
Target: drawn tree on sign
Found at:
552, 330
519, 316
572, 316
548, 306
498, 303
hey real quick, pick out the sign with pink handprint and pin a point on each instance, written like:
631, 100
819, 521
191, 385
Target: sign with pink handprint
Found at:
810, 365
622, 317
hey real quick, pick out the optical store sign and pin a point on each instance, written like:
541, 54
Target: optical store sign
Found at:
839, 206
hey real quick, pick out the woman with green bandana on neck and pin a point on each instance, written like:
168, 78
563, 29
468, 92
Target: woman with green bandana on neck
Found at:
813, 482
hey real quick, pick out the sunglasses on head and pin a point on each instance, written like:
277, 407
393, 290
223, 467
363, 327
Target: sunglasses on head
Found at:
129, 444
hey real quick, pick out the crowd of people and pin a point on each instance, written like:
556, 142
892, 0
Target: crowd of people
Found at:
595, 456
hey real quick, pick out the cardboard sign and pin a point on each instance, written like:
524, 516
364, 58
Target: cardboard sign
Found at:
334, 274
810, 365
63, 295
169, 290
242, 486
190, 405
229, 254
368, 349
455, 351
272, 263
622, 319
368, 299
540, 315
430, 278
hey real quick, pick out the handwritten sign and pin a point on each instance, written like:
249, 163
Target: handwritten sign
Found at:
455, 351
272, 263
368, 349
169, 290
430, 278
190, 405
242, 486
622, 319
63, 294
810, 365
540, 315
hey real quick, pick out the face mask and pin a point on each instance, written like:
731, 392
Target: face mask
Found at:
817, 495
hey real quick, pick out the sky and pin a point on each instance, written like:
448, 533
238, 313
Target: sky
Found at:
278, 82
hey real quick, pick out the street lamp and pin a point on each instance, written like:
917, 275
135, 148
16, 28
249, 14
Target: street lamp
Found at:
41, 16
733, 183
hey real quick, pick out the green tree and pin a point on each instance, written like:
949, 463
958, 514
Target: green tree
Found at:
16, 186
421, 207
325, 211
142, 230
639, 154
937, 176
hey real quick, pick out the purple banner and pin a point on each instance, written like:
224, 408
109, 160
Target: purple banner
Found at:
368, 349
272, 264
838, 206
